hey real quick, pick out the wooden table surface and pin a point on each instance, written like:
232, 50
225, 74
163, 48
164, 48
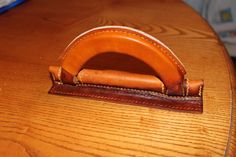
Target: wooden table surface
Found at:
37, 124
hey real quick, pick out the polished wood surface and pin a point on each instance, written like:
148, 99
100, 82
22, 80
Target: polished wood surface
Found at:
35, 123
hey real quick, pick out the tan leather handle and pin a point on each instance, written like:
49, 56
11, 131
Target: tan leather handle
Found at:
126, 41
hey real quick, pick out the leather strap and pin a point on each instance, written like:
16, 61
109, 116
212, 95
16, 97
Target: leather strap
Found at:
121, 79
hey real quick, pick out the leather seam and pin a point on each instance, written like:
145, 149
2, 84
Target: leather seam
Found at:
187, 89
183, 89
200, 91
123, 31
141, 91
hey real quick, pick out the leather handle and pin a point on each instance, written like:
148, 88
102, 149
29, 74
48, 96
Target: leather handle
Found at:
127, 41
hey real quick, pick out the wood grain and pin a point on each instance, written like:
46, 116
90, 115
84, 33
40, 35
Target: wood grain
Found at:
36, 124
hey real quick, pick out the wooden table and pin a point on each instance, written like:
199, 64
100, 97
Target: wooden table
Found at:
37, 124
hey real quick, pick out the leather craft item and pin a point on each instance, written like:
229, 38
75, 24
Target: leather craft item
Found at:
122, 64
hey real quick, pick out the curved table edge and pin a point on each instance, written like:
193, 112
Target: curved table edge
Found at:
230, 149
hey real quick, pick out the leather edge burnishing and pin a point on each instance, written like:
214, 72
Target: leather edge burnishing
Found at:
130, 96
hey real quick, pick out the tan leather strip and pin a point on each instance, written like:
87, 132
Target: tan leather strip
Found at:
121, 79
193, 87
129, 42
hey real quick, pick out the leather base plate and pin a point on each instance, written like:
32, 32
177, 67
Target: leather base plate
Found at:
130, 96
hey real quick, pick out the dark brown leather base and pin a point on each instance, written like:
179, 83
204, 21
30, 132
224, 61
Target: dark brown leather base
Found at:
130, 96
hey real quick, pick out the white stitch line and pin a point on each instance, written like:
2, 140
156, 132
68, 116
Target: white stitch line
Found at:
183, 90
200, 91
136, 90
187, 84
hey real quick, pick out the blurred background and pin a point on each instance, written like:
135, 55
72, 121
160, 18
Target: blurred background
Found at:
221, 15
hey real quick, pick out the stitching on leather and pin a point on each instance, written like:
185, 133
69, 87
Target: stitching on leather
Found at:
197, 108
187, 84
162, 88
140, 91
136, 90
200, 91
124, 31
183, 92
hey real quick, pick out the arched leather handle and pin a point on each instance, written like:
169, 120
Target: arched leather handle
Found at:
126, 41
